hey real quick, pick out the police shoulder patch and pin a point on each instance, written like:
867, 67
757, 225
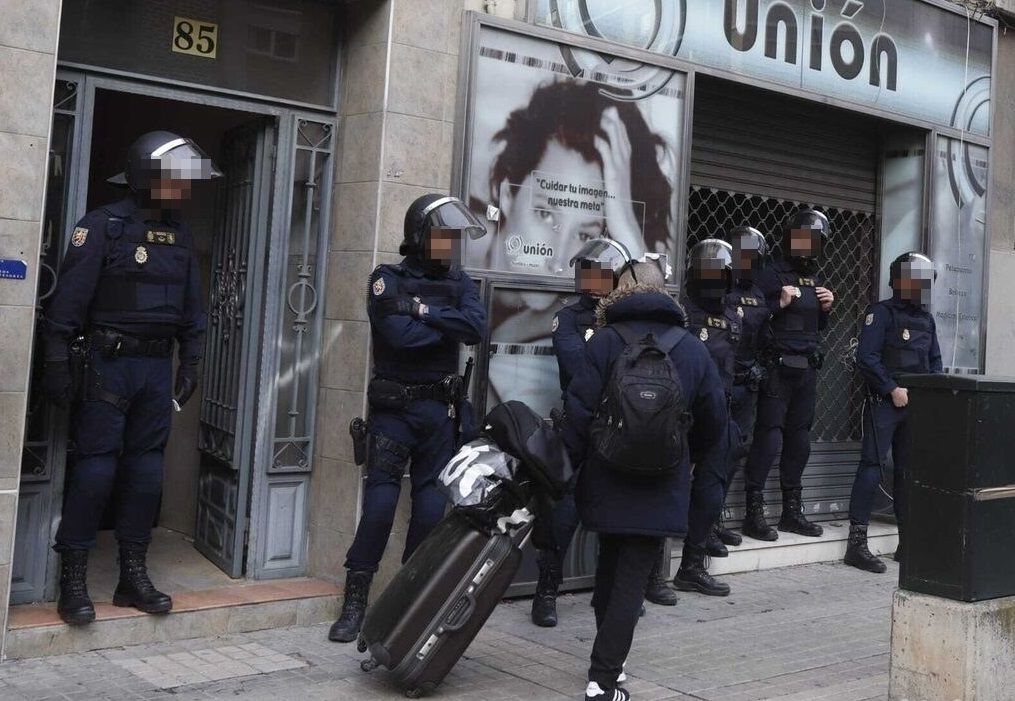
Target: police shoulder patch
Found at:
589, 333
378, 287
79, 237
869, 320
704, 334
555, 324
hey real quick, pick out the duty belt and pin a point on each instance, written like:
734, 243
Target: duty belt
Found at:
439, 391
114, 343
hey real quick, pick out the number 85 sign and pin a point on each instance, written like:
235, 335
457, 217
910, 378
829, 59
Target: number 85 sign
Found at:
194, 37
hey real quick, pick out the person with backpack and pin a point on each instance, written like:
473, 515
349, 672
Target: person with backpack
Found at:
597, 267
709, 279
800, 304
898, 336
648, 400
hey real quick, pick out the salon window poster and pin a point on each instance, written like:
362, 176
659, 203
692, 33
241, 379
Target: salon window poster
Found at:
567, 145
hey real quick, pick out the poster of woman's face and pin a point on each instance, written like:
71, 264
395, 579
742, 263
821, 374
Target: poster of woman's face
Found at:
562, 151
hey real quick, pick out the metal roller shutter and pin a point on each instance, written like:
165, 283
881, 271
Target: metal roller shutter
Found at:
757, 156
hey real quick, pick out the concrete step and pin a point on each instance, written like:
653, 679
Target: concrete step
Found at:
791, 549
35, 630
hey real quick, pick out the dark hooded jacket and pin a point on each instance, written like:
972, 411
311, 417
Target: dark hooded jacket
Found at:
609, 502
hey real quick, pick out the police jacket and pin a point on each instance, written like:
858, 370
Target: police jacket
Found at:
423, 350
896, 337
797, 328
135, 275
573, 326
747, 303
719, 331
609, 502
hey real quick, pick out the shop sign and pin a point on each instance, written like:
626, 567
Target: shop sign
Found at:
903, 56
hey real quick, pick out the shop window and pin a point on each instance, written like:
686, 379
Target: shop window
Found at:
279, 48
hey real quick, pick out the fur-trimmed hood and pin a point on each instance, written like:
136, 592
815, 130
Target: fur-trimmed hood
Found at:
639, 302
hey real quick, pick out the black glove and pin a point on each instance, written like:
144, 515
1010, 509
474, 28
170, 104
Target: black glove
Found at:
57, 382
186, 383
402, 306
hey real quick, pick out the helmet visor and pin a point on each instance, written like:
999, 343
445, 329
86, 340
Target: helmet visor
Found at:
182, 159
606, 252
452, 213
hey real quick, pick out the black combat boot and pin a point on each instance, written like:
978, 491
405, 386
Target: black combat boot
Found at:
714, 545
727, 536
75, 607
857, 553
134, 588
658, 591
354, 608
755, 525
693, 576
544, 602
793, 519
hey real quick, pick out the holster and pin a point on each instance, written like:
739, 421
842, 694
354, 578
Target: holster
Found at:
78, 367
359, 430
817, 360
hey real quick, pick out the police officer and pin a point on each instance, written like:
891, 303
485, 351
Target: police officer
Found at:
129, 285
898, 336
708, 281
421, 310
800, 307
747, 304
598, 266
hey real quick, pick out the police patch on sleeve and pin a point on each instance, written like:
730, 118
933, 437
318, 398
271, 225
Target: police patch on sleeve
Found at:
589, 333
79, 237
555, 324
378, 287
704, 334
869, 320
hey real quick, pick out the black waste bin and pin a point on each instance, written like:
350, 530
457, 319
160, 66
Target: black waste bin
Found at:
959, 520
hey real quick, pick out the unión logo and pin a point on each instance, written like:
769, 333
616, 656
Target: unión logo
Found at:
845, 47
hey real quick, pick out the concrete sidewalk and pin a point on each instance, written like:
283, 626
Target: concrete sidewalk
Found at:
815, 632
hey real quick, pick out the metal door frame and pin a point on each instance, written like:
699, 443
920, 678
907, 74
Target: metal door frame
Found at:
256, 431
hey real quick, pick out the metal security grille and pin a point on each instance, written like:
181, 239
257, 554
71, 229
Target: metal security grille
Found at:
847, 265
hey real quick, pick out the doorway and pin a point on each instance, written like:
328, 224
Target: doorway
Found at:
202, 527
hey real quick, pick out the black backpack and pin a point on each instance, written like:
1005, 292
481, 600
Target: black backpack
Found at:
642, 422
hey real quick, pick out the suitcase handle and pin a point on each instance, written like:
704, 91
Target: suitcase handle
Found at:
461, 611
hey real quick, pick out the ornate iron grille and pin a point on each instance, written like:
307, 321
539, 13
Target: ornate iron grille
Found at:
847, 266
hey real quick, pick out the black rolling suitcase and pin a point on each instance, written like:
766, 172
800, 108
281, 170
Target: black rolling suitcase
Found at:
435, 606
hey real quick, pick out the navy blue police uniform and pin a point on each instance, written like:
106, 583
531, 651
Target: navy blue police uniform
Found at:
632, 515
747, 303
719, 328
896, 338
131, 286
792, 341
573, 326
416, 357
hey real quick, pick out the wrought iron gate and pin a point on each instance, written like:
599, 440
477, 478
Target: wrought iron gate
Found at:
234, 345
849, 266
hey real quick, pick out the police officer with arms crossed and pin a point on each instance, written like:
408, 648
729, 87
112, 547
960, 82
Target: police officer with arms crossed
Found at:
800, 306
747, 304
634, 511
709, 279
421, 310
597, 268
898, 336
129, 285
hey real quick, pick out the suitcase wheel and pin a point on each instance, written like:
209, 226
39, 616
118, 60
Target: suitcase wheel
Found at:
414, 693
368, 665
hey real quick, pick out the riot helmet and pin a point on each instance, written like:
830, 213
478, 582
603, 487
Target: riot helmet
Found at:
912, 278
709, 270
435, 226
749, 253
163, 155
804, 238
598, 266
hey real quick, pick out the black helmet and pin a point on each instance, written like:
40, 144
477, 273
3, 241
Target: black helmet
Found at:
440, 212
806, 219
747, 238
163, 152
704, 257
913, 266
601, 254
